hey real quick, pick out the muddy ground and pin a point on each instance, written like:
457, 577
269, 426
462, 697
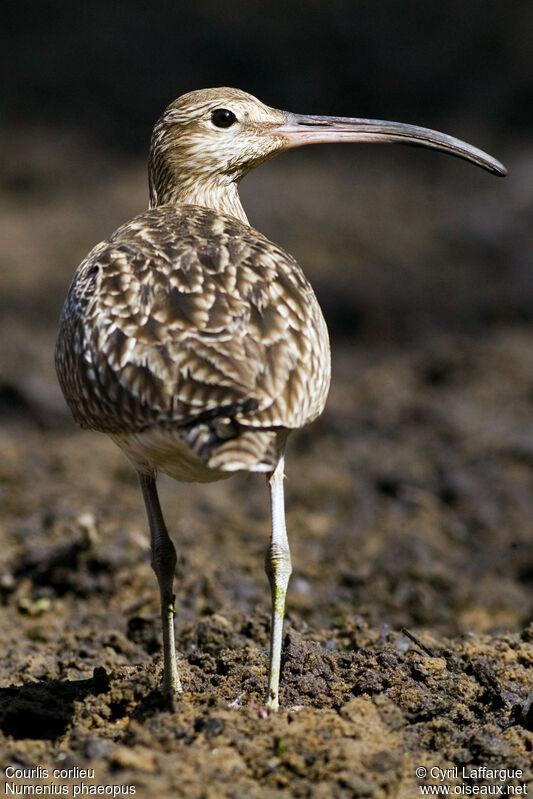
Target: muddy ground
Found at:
409, 632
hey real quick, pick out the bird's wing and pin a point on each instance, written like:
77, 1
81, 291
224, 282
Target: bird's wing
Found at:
185, 314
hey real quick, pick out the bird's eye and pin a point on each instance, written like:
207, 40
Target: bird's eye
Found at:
223, 117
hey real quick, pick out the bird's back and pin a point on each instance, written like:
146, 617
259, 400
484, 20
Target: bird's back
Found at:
188, 325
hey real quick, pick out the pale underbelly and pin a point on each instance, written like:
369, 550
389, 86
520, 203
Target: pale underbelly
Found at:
162, 450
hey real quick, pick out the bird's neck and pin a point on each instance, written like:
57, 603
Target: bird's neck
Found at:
216, 194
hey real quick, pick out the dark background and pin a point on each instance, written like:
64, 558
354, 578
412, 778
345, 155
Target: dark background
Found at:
108, 68
396, 242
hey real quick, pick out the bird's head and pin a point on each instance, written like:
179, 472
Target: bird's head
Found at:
217, 132
207, 140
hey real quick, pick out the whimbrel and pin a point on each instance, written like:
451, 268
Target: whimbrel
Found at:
192, 340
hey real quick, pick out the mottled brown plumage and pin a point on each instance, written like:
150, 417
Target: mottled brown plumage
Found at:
191, 339
190, 321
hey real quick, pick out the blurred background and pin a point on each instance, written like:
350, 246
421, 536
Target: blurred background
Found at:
395, 240
418, 478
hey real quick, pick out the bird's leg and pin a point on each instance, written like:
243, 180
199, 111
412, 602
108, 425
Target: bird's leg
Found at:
278, 568
163, 564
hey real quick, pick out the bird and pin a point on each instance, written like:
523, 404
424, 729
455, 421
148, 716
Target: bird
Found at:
196, 343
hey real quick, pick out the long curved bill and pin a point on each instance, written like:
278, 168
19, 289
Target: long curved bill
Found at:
300, 129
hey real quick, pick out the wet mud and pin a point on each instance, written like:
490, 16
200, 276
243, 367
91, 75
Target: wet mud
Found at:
409, 635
